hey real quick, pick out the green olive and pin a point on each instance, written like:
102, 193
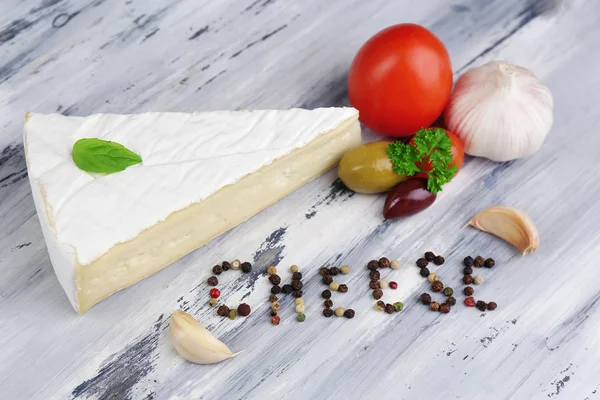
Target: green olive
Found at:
368, 169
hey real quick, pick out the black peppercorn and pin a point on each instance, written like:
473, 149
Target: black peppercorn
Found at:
445, 308
381, 305
328, 303
246, 267
297, 276
275, 289
373, 265
429, 256
437, 286
334, 271
425, 298
492, 306
468, 291
223, 311
226, 266
297, 284
384, 262
389, 308
273, 313
467, 279
287, 289
273, 298
324, 271
349, 313
275, 279
217, 269
328, 312
343, 288
468, 261
374, 285
377, 294
327, 279
438, 260
451, 300
213, 281
481, 305
374, 275
467, 270
424, 272
489, 262
297, 293
243, 310
326, 294
479, 261
422, 263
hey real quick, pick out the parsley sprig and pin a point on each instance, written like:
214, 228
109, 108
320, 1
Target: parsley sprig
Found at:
431, 145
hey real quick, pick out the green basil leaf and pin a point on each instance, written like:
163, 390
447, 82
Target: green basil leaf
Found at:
103, 156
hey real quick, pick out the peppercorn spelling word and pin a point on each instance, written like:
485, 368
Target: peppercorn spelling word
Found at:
469, 279
378, 285
436, 285
295, 288
243, 309
327, 279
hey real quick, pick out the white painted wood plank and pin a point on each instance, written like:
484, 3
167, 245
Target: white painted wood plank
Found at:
135, 56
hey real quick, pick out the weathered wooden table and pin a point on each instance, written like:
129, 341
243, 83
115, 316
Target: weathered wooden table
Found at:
81, 57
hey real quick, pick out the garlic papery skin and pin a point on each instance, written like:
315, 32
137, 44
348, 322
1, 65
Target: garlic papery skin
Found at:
511, 224
194, 342
500, 111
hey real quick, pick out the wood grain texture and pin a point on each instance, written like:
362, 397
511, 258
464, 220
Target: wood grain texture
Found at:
80, 57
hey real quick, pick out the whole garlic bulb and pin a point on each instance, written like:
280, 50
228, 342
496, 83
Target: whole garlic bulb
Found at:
500, 111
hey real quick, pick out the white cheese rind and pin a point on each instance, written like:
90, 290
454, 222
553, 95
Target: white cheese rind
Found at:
63, 257
186, 159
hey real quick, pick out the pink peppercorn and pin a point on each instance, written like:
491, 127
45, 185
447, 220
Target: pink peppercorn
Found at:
275, 320
215, 293
393, 285
470, 302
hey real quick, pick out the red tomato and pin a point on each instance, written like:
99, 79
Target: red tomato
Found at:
458, 154
400, 80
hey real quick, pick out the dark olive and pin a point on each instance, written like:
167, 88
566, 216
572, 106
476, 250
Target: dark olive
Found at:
408, 198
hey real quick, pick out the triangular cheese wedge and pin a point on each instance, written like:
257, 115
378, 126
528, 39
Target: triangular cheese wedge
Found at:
201, 175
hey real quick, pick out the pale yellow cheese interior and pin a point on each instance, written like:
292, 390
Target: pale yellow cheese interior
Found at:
190, 228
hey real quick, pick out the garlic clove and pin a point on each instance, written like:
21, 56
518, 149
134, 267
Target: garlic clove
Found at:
511, 224
194, 342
